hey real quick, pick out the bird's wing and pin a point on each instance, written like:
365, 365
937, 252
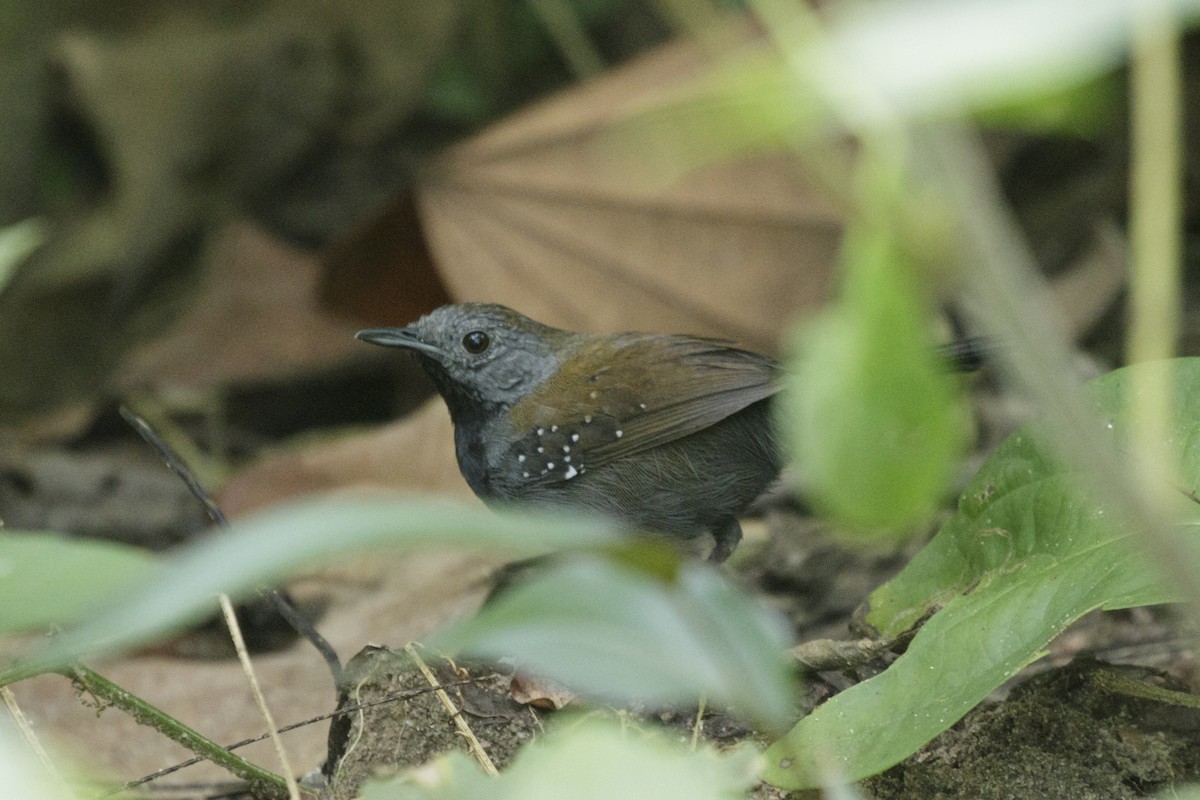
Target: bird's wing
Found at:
596, 409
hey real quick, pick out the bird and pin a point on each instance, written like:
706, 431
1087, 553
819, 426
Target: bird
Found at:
670, 434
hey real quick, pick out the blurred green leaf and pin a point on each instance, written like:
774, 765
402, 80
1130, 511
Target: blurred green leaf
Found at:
457, 94
261, 549
1188, 792
1029, 62
609, 630
49, 579
869, 408
588, 761
1027, 553
22, 777
930, 58
1085, 110
16, 242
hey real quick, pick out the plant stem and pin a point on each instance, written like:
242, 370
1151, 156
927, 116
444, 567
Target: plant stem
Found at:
1155, 197
268, 784
1155, 185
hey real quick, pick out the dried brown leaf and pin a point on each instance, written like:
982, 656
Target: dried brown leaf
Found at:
544, 213
541, 693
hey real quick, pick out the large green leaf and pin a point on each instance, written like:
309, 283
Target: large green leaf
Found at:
49, 579
262, 549
605, 628
1027, 553
869, 408
590, 761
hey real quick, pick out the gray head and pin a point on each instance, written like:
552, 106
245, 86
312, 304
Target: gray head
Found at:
482, 357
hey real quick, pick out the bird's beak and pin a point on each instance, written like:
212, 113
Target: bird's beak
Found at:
398, 337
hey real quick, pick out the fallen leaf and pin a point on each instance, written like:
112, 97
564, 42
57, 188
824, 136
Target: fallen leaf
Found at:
544, 213
541, 693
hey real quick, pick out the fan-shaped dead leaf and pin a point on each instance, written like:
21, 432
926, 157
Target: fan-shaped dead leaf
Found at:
543, 212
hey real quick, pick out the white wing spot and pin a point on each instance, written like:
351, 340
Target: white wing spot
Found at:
550, 465
571, 473
574, 437
566, 459
540, 431
587, 420
594, 395
620, 434
541, 449
566, 448
524, 474
642, 406
521, 459
553, 428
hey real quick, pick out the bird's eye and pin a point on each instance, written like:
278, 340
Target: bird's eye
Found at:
476, 342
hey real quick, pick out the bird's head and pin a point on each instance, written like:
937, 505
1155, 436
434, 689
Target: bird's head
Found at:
481, 357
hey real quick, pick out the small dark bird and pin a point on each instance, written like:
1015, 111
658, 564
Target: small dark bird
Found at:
671, 434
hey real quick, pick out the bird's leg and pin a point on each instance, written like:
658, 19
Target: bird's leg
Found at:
727, 536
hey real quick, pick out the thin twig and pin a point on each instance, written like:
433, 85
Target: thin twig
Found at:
31, 739
406, 694
303, 626
239, 644
298, 621
473, 743
360, 729
699, 725
175, 464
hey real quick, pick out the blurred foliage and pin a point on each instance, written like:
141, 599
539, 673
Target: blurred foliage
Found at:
609, 630
872, 413
1028, 552
586, 760
259, 550
47, 579
22, 776
16, 242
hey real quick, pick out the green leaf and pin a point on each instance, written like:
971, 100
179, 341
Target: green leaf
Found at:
609, 630
21, 776
17, 241
587, 761
1027, 553
49, 579
870, 411
933, 58
1189, 792
1085, 111
261, 549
